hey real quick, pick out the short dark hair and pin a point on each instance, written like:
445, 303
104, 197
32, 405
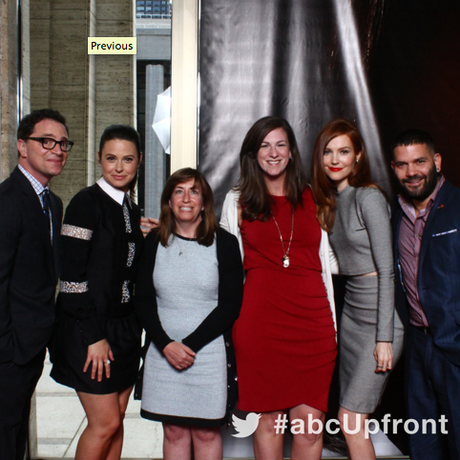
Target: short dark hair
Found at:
27, 124
208, 224
413, 136
254, 196
123, 133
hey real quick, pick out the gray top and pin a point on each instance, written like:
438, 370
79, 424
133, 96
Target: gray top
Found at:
186, 280
361, 239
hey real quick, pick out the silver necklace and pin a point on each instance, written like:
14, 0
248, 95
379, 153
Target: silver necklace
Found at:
285, 259
178, 238
180, 247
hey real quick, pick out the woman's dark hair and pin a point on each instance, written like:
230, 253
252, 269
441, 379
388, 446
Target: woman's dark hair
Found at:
322, 187
208, 225
122, 133
254, 198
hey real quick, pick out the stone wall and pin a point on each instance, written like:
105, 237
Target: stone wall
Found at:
8, 86
90, 91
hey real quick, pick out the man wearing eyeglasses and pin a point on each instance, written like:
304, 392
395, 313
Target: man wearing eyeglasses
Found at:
30, 224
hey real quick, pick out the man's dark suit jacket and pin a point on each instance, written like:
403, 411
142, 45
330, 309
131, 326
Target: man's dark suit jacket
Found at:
29, 269
439, 271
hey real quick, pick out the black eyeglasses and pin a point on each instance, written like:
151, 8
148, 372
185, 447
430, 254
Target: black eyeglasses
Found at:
49, 144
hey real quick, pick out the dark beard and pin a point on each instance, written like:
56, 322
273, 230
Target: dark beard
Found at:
423, 193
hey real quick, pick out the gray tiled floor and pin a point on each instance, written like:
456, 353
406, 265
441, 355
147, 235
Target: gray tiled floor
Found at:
61, 419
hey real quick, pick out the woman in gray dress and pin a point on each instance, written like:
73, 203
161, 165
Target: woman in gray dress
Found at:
354, 211
188, 294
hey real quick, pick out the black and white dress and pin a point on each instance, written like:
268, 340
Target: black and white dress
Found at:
190, 306
100, 247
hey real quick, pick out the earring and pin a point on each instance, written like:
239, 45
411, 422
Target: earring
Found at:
356, 161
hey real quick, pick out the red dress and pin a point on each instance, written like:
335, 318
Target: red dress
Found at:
284, 338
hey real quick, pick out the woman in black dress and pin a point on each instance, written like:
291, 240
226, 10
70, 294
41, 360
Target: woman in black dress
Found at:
97, 339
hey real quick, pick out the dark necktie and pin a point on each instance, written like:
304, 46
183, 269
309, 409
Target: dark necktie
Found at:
46, 201
46, 209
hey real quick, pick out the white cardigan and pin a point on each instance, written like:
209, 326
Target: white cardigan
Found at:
229, 221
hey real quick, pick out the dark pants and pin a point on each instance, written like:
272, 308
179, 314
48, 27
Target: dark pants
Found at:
17, 384
433, 389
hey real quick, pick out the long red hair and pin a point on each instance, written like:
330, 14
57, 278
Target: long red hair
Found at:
323, 189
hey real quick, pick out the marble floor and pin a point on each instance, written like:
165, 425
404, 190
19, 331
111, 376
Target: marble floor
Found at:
61, 419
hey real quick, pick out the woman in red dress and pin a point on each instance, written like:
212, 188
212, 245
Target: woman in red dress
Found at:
284, 338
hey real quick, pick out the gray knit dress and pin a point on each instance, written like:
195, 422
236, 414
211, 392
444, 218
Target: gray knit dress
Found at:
186, 281
361, 239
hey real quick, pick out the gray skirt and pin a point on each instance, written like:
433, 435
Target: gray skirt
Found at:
361, 388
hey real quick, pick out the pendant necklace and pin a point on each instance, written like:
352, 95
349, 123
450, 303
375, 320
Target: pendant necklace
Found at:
178, 238
285, 259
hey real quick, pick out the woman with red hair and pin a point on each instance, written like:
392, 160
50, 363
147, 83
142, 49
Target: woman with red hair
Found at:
355, 213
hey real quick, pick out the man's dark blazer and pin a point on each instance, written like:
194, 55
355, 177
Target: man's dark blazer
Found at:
438, 272
29, 269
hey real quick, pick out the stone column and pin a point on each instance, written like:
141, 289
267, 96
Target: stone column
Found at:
115, 74
8, 86
25, 54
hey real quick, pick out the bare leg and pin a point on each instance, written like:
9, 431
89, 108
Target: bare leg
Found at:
267, 444
116, 445
103, 414
177, 443
207, 443
359, 448
307, 445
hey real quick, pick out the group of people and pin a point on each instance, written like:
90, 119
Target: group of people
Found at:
241, 311
285, 337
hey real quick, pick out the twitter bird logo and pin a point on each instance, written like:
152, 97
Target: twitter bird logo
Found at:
246, 427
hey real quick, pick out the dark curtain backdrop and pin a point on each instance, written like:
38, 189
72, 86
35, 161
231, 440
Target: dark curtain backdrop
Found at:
414, 74
386, 64
304, 60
